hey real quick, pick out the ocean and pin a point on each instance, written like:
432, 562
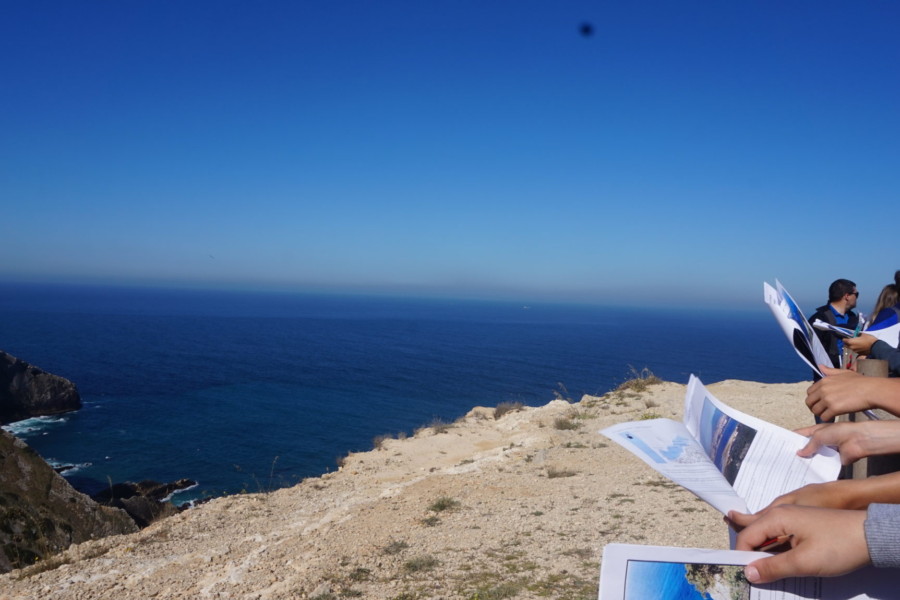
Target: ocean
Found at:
246, 391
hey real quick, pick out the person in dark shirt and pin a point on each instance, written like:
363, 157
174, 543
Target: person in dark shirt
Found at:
842, 298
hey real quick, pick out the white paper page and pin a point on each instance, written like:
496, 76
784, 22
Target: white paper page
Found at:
795, 327
889, 334
886, 333
630, 572
757, 458
841, 331
670, 449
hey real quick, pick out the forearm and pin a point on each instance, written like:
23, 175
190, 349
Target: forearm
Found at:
858, 494
878, 437
885, 351
882, 392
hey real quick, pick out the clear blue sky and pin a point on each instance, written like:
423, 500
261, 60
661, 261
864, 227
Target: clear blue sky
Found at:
685, 151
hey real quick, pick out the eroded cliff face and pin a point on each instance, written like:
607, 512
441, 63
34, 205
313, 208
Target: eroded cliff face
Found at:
40, 513
27, 391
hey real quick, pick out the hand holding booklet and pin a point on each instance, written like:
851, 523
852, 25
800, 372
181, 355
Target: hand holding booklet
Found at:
730, 459
733, 461
633, 572
887, 332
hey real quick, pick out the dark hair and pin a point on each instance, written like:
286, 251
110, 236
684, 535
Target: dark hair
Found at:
839, 289
897, 278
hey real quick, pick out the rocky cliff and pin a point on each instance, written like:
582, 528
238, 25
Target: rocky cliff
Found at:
27, 391
40, 513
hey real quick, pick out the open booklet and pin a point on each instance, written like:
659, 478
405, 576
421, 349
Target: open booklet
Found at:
731, 460
631, 572
795, 326
888, 332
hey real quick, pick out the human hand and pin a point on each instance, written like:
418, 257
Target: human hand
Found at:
824, 542
848, 437
861, 344
838, 393
832, 494
854, 440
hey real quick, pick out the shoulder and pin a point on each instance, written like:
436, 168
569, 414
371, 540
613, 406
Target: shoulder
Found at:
887, 315
819, 312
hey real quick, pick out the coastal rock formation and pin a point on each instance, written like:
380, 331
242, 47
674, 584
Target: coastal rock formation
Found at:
516, 506
40, 513
145, 502
27, 391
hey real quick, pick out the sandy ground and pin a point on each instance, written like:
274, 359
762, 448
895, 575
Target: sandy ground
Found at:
515, 507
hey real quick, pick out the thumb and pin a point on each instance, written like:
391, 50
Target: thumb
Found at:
812, 446
771, 568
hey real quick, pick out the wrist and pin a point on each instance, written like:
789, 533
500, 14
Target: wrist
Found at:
878, 437
851, 495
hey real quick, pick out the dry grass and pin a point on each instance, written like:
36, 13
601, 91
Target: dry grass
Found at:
639, 382
507, 407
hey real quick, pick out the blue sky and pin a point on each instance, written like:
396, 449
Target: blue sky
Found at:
685, 152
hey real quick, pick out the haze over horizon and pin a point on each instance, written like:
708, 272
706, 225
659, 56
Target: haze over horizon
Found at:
654, 153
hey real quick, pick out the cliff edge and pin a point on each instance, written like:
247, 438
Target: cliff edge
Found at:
515, 505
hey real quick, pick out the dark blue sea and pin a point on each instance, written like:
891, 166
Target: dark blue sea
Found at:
253, 391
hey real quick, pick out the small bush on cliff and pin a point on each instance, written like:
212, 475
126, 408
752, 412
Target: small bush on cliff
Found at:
443, 503
564, 423
379, 440
639, 382
423, 562
395, 547
436, 426
507, 407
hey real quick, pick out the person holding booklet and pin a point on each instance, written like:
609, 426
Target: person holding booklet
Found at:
854, 441
842, 391
862, 514
866, 344
823, 542
842, 299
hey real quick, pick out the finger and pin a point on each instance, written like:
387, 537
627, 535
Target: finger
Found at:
785, 499
811, 429
773, 568
731, 524
759, 528
816, 406
812, 446
811, 399
740, 519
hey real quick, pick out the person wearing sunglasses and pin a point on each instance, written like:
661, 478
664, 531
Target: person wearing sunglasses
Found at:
842, 298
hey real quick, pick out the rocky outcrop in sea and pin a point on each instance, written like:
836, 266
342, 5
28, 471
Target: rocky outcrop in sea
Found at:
27, 391
40, 512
